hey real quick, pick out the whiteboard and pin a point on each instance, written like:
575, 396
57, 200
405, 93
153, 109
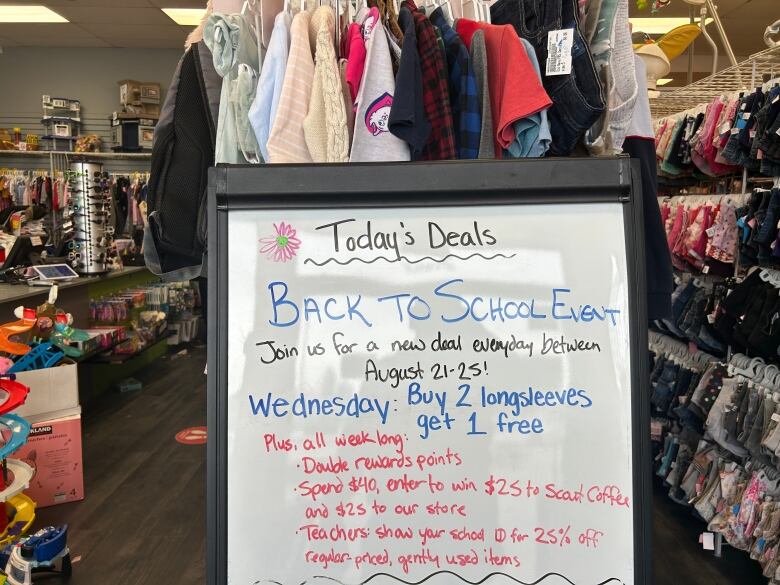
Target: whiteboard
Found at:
419, 393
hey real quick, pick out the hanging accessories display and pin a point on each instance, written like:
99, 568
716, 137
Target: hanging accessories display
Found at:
89, 211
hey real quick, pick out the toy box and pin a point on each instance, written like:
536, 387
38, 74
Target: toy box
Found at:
54, 450
133, 92
53, 392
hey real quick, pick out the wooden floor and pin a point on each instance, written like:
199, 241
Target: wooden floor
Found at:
143, 520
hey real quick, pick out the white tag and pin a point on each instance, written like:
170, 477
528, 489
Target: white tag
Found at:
36, 241
742, 107
725, 127
735, 130
559, 45
710, 232
777, 99
752, 134
708, 541
778, 132
711, 319
705, 270
776, 417
746, 116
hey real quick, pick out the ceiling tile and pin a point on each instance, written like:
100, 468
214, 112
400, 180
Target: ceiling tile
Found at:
177, 3
107, 15
119, 31
63, 42
32, 32
172, 43
53, 4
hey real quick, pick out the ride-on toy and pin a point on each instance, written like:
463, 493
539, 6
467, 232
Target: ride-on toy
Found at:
46, 551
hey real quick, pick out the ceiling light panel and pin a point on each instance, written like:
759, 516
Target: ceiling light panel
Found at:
185, 16
28, 13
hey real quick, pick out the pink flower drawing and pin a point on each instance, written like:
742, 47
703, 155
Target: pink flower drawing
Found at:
283, 245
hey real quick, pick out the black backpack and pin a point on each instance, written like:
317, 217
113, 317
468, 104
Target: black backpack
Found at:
183, 151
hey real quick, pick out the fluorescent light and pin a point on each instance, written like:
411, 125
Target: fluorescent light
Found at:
29, 13
659, 26
185, 16
664, 81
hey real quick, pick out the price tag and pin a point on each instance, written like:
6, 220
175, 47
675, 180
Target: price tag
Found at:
776, 417
706, 269
777, 99
734, 131
725, 127
746, 116
36, 241
559, 45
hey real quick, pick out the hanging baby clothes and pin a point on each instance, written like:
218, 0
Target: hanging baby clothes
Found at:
479, 60
372, 141
441, 141
262, 113
287, 143
232, 43
532, 134
515, 89
407, 116
325, 124
464, 97
578, 98
354, 48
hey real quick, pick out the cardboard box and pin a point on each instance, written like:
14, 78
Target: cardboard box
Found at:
54, 450
52, 391
131, 92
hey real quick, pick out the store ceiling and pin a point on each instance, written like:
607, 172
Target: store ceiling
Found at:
141, 24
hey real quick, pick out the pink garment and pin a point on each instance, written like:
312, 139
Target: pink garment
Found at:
355, 50
725, 237
697, 251
677, 225
724, 131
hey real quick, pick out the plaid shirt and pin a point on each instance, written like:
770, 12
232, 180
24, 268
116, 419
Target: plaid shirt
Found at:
436, 95
464, 96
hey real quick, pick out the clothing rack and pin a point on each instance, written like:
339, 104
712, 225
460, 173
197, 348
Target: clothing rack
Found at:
735, 78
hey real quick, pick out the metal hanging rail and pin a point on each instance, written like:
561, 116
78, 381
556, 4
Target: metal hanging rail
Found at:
745, 75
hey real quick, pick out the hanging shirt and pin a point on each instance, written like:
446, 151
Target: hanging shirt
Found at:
355, 51
436, 96
407, 116
464, 98
243, 95
232, 43
287, 143
532, 134
325, 125
515, 90
262, 113
478, 55
372, 140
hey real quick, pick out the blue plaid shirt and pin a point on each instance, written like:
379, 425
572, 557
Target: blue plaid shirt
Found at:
464, 97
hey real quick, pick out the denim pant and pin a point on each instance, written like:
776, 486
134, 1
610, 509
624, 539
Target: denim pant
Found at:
578, 98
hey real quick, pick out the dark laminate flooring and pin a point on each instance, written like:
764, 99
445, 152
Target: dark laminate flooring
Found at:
143, 520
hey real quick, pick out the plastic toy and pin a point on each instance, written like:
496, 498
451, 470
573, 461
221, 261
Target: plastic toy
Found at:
16, 478
46, 551
19, 430
27, 320
64, 332
15, 395
43, 355
21, 514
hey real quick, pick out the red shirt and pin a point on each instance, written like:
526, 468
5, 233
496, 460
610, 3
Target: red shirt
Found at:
516, 91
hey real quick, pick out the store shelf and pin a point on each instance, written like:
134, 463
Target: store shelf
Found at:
79, 155
17, 292
122, 358
743, 76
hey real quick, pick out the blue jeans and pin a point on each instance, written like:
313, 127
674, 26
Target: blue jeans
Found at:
578, 98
